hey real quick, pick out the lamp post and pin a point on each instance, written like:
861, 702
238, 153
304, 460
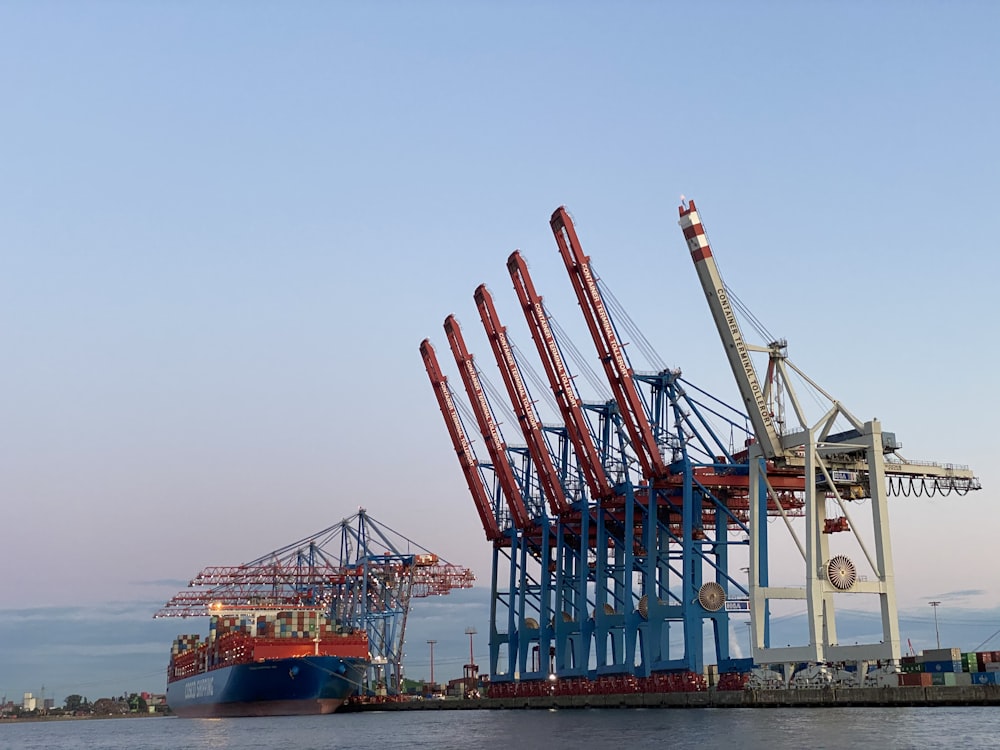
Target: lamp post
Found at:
470, 673
431, 644
937, 635
471, 631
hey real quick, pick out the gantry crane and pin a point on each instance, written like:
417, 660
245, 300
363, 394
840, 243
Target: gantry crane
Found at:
530, 541
670, 547
521, 596
361, 572
838, 468
563, 582
620, 577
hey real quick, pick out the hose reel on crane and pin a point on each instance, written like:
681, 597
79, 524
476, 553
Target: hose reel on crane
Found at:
712, 597
841, 573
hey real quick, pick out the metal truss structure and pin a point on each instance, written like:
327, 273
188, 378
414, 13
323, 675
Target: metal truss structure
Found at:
616, 527
617, 531
360, 571
848, 467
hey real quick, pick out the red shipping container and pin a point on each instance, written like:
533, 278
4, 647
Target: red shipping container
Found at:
915, 679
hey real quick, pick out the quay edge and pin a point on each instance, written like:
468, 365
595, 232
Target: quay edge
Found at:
937, 695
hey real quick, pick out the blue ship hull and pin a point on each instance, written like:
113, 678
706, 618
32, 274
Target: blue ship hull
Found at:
275, 687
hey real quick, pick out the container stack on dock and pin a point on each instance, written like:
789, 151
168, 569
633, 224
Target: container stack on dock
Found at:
949, 666
733, 681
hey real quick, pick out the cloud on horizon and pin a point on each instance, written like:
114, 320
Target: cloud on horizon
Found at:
960, 594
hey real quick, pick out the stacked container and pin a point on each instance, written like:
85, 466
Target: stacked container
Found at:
938, 660
984, 667
949, 666
915, 679
185, 643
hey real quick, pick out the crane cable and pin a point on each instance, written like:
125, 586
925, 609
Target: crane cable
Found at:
564, 341
745, 311
987, 641
619, 315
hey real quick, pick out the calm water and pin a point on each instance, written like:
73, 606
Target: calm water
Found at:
590, 729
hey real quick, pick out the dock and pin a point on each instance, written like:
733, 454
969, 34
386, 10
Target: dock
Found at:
938, 695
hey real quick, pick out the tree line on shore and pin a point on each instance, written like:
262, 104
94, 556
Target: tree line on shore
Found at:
79, 705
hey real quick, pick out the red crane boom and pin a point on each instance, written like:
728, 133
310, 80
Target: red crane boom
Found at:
460, 440
616, 367
559, 379
487, 425
523, 407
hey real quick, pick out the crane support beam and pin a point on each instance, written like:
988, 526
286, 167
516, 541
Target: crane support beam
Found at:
609, 349
961, 475
460, 440
523, 407
559, 378
737, 350
487, 424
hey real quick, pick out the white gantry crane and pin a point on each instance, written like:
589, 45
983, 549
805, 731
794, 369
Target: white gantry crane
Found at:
848, 472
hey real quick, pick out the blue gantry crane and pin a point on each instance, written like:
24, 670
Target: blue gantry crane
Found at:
360, 571
629, 533
615, 555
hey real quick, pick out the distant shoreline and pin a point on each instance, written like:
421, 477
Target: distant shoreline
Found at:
29, 719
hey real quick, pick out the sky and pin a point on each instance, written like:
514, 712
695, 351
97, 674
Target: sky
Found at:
227, 227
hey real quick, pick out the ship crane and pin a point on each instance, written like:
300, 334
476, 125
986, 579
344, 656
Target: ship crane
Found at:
838, 468
366, 584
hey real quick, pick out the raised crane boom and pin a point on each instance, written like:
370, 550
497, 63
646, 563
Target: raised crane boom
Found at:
487, 425
612, 356
737, 350
559, 379
523, 407
459, 438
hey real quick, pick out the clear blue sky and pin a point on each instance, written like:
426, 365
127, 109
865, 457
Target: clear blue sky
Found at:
226, 228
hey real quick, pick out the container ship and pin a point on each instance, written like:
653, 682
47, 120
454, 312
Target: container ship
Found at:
276, 663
